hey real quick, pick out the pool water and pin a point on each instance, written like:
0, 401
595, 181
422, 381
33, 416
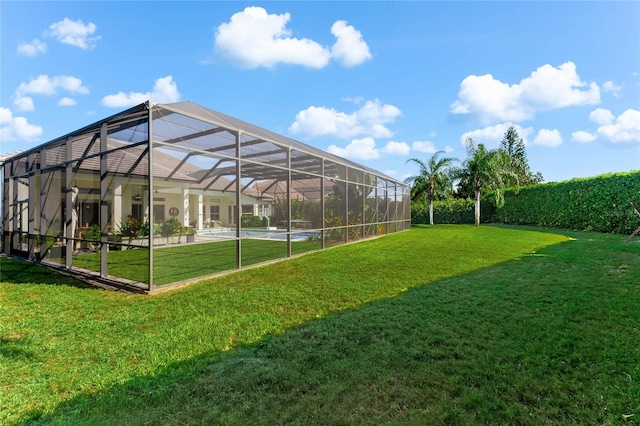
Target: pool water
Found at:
279, 235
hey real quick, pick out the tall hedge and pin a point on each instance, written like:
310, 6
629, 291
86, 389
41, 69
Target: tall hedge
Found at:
447, 211
600, 203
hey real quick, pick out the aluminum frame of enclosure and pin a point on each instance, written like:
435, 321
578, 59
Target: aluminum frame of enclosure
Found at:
161, 194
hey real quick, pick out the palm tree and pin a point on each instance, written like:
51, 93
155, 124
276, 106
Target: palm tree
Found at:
434, 178
486, 169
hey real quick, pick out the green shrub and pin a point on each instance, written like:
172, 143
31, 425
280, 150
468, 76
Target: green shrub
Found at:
445, 211
253, 221
94, 233
170, 226
49, 239
601, 203
130, 228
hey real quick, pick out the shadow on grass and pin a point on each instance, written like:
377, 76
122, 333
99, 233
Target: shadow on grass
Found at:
530, 341
13, 346
18, 271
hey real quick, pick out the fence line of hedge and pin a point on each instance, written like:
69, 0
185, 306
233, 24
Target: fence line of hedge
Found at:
446, 211
601, 203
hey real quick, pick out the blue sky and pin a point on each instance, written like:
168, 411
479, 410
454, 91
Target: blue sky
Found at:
377, 82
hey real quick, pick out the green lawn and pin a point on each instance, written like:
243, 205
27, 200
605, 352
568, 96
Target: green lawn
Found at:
181, 262
438, 325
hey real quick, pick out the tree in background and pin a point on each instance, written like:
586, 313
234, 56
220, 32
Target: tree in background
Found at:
434, 180
485, 170
516, 149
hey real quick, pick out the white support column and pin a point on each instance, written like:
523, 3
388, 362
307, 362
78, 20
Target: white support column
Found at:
185, 206
200, 209
117, 205
145, 205
207, 211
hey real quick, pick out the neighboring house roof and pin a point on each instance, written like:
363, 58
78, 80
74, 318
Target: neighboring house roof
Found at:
301, 189
8, 155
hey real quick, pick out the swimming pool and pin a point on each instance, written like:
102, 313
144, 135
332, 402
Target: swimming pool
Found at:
262, 234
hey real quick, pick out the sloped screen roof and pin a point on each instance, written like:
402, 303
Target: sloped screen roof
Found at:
194, 127
186, 126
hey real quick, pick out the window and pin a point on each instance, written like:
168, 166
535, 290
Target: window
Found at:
247, 209
88, 214
136, 211
158, 213
214, 211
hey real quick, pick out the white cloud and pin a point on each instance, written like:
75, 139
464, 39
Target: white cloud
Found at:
369, 120
551, 88
24, 103
45, 85
582, 136
602, 116
625, 128
448, 149
424, 146
165, 90
17, 128
492, 135
66, 102
48, 86
622, 129
547, 137
547, 88
610, 86
34, 48
5, 115
396, 148
349, 49
254, 38
74, 33
358, 149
